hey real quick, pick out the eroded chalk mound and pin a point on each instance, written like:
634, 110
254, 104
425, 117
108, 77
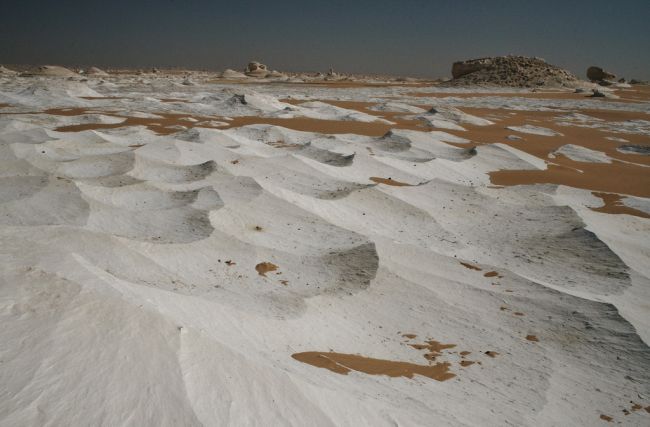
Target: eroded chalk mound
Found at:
513, 71
94, 71
50, 71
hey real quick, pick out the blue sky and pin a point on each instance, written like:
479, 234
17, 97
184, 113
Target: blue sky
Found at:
403, 37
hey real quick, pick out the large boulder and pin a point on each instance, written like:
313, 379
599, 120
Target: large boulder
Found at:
512, 71
256, 69
597, 74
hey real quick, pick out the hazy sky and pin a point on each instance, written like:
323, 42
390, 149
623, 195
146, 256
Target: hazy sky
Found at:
403, 37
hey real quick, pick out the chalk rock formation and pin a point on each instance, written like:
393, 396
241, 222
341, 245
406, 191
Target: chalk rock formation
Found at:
514, 71
50, 71
256, 69
276, 74
94, 71
232, 74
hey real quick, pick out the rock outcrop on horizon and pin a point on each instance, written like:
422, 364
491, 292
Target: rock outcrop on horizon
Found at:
513, 71
6, 71
94, 71
50, 71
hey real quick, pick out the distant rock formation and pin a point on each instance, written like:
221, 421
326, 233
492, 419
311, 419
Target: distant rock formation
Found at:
256, 69
232, 74
276, 74
6, 71
597, 74
94, 71
50, 71
513, 71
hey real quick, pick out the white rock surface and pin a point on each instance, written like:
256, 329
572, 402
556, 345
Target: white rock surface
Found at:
579, 153
534, 130
130, 294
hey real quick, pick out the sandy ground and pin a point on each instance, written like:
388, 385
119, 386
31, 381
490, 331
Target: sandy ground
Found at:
335, 254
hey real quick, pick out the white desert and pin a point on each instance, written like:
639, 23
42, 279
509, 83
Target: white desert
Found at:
262, 248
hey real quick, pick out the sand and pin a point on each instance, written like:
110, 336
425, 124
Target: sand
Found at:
321, 253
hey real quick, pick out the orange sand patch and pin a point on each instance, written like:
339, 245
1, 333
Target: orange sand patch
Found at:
617, 177
613, 178
433, 347
636, 92
389, 181
338, 126
342, 363
265, 267
360, 84
613, 205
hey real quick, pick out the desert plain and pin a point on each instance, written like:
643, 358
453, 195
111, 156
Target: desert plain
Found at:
262, 248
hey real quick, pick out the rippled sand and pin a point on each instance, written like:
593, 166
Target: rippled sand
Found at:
341, 253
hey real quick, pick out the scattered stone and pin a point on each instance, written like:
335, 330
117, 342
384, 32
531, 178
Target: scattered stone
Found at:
597, 93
